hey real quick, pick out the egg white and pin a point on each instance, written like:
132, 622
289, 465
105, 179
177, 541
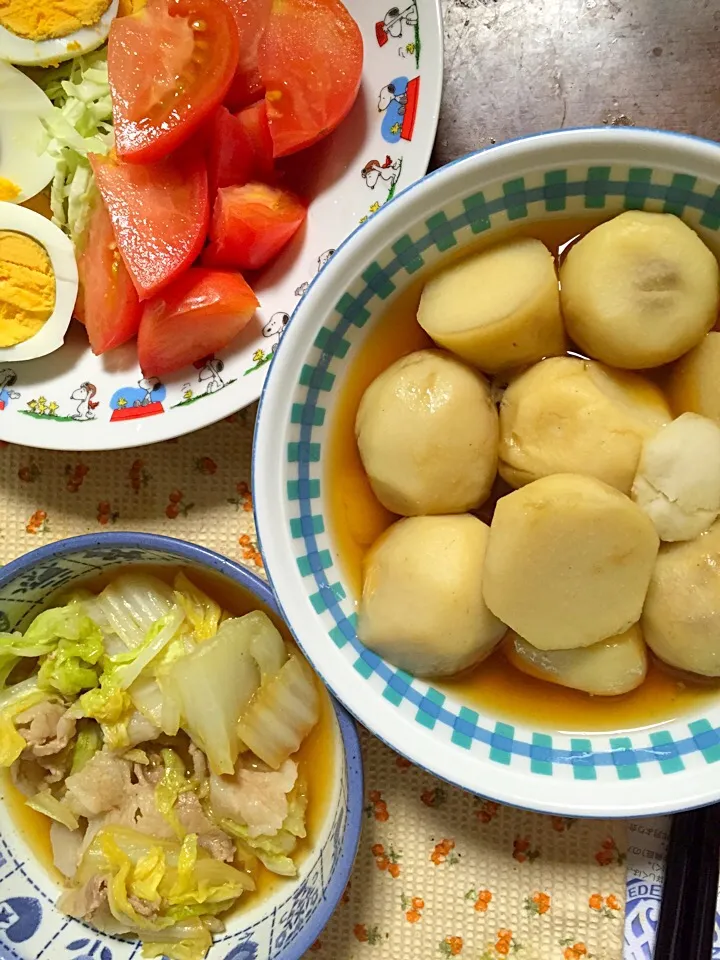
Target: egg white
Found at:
39, 53
22, 104
62, 257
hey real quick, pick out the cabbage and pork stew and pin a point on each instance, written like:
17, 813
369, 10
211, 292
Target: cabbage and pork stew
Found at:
159, 735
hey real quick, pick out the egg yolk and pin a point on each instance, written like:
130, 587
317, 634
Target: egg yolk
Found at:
51, 18
8, 189
27, 287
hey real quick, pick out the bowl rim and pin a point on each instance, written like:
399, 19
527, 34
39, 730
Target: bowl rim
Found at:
350, 257
348, 730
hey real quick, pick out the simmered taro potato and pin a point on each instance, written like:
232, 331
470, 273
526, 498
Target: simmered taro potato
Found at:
639, 290
427, 434
422, 604
497, 309
605, 669
568, 415
568, 562
681, 619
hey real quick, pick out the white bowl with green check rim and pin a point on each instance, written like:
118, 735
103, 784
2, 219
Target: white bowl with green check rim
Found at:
665, 767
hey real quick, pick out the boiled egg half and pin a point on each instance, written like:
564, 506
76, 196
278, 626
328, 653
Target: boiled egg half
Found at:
25, 169
38, 284
49, 31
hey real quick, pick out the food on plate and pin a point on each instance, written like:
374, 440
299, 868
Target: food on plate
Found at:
170, 66
568, 561
605, 669
310, 59
251, 17
24, 168
639, 290
422, 603
427, 432
574, 564
694, 382
108, 303
202, 309
159, 213
681, 619
27, 287
251, 224
570, 415
678, 478
38, 283
497, 309
158, 129
123, 718
52, 30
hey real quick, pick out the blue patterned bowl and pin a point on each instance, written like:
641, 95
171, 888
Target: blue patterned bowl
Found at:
282, 926
555, 176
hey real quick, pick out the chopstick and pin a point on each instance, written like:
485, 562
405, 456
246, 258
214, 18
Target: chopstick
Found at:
687, 914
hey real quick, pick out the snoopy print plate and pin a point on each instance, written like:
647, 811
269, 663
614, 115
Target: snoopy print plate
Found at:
72, 400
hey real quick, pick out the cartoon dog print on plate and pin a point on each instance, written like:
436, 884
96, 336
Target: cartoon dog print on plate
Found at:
384, 175
321, 261
143, 400
210, 370
8, 379
272, 331
86, 404
82, 405
401, 23
398, 101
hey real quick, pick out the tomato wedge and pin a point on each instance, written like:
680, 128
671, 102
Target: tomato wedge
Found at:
251, 16
254, 120
169, 66
159, 213
231, 158
310, 58
251, 224
109, 304
198, 315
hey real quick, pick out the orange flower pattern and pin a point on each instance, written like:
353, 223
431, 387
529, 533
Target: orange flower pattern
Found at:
538, 903
574, 951
443, 852
608, 907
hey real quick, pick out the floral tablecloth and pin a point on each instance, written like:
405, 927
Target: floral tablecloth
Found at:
439, 873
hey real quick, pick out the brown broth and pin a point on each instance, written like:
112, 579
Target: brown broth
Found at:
315, 758
357, 519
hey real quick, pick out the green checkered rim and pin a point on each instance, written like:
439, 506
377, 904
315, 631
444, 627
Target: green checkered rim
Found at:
514, 201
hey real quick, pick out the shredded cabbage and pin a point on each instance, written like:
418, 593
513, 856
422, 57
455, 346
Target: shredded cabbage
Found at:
14, 701
87, 744
201, 610
158, 637
173, 783
182, 881
213, 685
45, 802
274, 852
80, 124
282, 714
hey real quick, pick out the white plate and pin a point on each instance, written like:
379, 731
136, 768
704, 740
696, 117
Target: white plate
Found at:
103, 403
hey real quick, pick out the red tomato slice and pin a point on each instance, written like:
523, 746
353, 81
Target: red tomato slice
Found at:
231, 158
251, 224
254, 120
169, 66
310, 57
198, 315
159, 212
251, 16
108, 304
